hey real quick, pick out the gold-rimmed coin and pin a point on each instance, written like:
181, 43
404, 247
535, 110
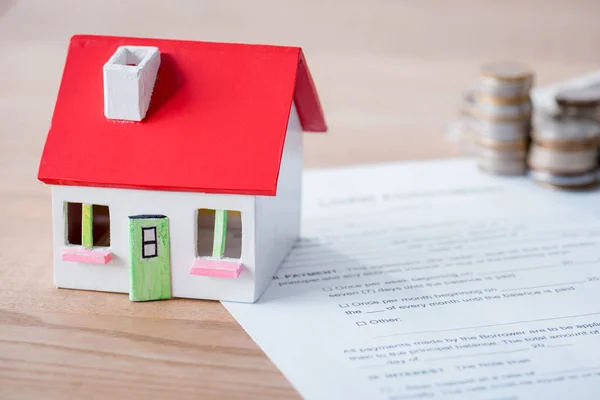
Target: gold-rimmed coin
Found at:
503, 145
501, 167
505, 131
569, 188
550, 171
584, 97
568, 146
564, 132
502, 101
502, 155
560, 181
562, 162
507, 72
483, 115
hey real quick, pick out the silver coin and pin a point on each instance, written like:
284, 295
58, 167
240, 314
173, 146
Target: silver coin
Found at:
584, 97
502, 155
494, 88
567, 162
503, 145
580, 112
564, 180
480, 97
557, 128
495, 112
505, 79
502, 130
501, 167
507, 71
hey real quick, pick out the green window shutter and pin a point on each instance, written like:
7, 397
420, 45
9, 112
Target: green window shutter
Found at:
86, 226
220, 233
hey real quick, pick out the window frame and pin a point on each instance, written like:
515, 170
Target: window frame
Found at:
219, 235
86, 224
152, 242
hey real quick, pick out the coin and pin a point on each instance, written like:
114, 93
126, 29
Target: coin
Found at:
502, 130
502, 166
502, 155
584, 97
562, 132
581, 112
502, 90
561, 162
507, 72
502, 112
557, 180
505, 80
503, 145
486, 98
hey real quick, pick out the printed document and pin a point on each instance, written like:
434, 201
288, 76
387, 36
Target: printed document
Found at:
431, 280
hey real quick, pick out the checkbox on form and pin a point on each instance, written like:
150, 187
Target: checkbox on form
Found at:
361, 323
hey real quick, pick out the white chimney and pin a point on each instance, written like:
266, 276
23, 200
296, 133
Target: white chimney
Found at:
129, 77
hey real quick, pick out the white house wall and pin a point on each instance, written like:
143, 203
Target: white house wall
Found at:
278, 218
181, 210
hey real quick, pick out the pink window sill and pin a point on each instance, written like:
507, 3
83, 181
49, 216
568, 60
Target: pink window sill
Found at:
216, 268
83, 255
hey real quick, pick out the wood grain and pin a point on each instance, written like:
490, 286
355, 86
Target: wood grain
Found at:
390, 74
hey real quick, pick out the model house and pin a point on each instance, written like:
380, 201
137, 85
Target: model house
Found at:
175, 166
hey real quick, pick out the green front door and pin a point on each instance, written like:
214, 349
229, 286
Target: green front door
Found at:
149, 262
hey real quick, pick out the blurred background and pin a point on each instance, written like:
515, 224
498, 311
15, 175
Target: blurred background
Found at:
390, 73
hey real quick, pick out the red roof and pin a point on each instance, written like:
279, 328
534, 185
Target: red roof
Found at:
216, 123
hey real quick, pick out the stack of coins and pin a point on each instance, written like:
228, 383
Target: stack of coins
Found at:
502, 114
564, 151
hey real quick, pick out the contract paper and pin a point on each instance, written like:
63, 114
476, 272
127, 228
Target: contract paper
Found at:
430, 280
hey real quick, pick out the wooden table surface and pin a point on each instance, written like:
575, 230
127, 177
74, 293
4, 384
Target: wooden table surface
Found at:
390, 75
